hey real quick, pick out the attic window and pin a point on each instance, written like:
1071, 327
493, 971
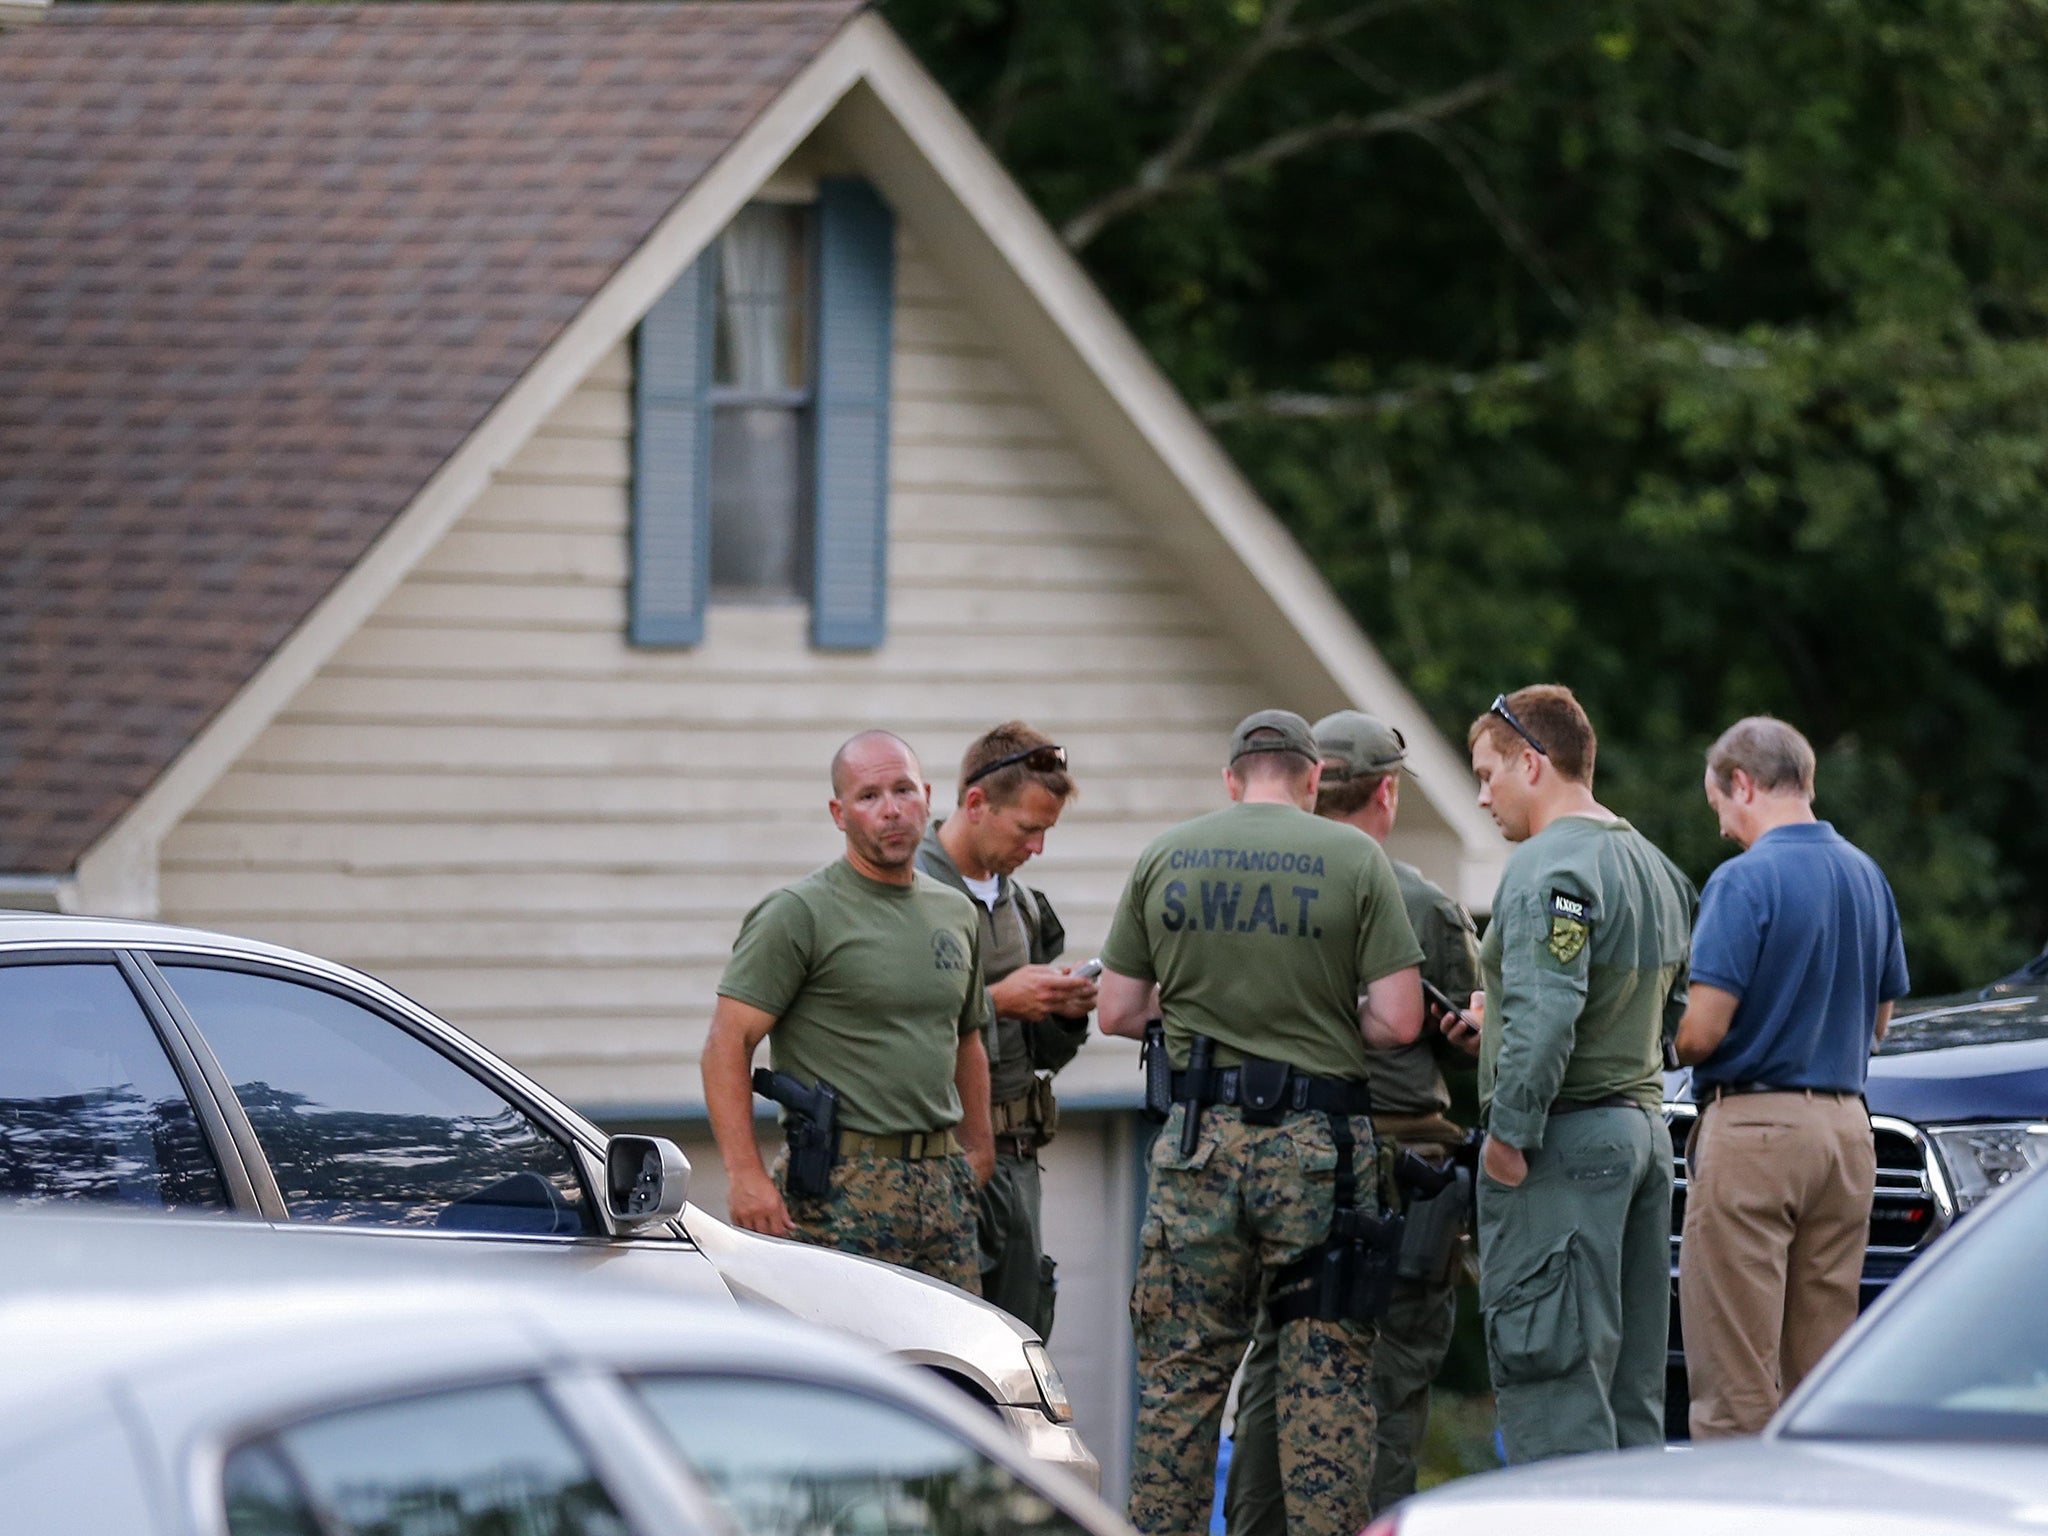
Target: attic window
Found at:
761, 424
760, 404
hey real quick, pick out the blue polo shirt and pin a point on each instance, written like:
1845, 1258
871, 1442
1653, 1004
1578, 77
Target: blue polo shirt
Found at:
1803, 929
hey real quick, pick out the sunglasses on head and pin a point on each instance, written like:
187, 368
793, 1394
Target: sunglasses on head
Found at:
1499, 706
1037, 759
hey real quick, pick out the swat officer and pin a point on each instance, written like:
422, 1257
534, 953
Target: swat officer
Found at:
1013, 785
1585, 964
864, 976
1273, 944
1361, 787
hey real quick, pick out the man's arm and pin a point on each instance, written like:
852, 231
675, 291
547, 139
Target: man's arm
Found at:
737, 1030
1543, 991
977, 1133
1884, 1022
1709, 1010
1123, 1004
1390, 1013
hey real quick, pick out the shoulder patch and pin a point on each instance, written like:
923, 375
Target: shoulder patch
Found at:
1571, 924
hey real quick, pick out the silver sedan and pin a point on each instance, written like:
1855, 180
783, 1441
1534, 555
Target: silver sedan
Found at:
200, 1378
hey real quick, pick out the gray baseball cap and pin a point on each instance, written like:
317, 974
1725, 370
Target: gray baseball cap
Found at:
1357, 746
1276, 730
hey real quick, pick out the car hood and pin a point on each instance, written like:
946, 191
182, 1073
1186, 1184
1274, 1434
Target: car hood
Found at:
1809, 1487
1974, 1057
1965, 1058
913, 1316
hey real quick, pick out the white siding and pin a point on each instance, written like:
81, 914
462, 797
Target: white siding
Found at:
491, 800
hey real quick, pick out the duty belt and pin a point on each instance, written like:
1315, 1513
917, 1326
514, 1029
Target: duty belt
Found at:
1327, 1095
912, 1145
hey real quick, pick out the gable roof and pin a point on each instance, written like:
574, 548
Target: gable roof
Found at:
263, 269
879, 104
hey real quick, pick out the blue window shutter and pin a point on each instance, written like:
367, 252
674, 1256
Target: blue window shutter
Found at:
672, 461
856, 301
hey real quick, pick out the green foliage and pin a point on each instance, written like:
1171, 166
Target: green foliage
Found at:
1695, 354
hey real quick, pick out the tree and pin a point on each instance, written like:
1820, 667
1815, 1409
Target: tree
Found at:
1691, 353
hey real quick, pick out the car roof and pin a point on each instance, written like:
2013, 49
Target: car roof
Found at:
30, 930
85, 1299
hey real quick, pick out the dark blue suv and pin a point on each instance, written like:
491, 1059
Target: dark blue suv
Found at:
1958, 1097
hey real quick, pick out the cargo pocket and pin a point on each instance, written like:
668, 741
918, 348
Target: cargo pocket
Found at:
1048, 1295
1532, 1323
1166, 1153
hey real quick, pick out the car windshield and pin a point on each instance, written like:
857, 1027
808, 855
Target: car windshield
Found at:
1962, 1355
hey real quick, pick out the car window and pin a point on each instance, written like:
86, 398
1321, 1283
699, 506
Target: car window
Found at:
488, 1461
796, 1459
90, 1106
363, 1122
1962, 1354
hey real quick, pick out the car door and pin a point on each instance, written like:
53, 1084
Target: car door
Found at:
101, 1099
361, 1123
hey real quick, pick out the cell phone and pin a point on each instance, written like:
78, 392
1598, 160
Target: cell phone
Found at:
1087, 970
1442, 999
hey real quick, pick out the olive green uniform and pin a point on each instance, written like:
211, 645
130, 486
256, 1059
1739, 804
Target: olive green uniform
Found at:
1024, 1054
873, 986
1585, 964
1409, 1098
1262, 925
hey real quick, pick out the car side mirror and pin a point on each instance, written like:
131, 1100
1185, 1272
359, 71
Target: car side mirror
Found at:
646, 1180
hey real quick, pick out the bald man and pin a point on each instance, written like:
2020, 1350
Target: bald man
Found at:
865, 977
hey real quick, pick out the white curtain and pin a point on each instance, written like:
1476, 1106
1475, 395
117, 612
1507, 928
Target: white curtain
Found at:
758, 266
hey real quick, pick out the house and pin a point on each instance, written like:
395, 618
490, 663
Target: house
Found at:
463, 469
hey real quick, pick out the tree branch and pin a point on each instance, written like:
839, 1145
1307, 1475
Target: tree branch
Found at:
1295, 405
1161, 168
1411, 117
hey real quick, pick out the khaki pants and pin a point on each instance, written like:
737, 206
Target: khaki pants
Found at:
1777, 1215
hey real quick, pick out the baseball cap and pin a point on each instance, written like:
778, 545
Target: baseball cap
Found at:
1357, 746
1289, 733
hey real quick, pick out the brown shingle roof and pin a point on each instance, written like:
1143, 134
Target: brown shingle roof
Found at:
262, 270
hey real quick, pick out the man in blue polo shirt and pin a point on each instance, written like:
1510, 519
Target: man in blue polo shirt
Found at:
1796, 961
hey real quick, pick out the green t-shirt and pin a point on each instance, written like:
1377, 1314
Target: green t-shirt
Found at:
1408, 1079
872, 987
1586, 967
1263, 925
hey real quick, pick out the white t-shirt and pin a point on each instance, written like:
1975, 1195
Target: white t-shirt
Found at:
985, 890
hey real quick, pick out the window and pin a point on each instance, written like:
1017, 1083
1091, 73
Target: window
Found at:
760, 423
362, 1122
90, 1105
761, 395
483, 1462
790, 1458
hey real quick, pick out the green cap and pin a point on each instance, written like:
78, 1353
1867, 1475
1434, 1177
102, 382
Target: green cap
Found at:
1276, 730
1357, 746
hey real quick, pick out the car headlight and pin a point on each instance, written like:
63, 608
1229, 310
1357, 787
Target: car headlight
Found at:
1980, 1158
1051, 1388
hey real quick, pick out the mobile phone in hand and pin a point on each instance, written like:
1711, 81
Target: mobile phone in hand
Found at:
1087, 970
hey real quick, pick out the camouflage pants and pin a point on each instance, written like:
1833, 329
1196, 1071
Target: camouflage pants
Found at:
917, 1212
1218, 1222
1414, 1337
